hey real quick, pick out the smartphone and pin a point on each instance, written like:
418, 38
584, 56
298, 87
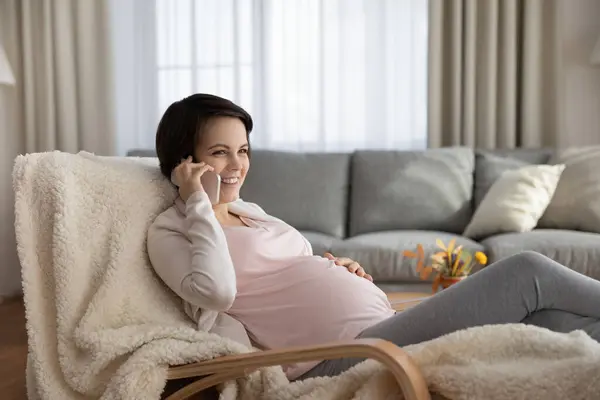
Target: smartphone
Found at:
211, 182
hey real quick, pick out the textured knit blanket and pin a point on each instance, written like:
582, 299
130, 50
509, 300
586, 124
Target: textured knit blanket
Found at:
102, 325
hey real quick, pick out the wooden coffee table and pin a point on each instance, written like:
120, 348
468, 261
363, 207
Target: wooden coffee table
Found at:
402, 300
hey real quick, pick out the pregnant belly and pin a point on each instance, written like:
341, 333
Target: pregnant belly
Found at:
309, 301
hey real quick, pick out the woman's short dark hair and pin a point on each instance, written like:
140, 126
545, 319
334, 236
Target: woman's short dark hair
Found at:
182, 125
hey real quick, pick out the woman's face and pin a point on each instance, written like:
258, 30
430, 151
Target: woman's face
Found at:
224, 146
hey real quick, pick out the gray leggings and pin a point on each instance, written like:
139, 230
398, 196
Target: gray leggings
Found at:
525, 288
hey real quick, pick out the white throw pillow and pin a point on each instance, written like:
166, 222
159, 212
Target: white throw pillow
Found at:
516, 201
576, 202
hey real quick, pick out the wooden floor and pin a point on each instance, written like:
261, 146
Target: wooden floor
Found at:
13, 350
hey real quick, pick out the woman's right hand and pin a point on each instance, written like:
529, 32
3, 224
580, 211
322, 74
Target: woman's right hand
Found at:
187, 176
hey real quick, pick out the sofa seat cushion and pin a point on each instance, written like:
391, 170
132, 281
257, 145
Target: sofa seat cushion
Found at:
380, 253
579, 251
320, 242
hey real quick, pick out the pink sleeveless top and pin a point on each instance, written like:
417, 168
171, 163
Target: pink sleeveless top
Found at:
286, 296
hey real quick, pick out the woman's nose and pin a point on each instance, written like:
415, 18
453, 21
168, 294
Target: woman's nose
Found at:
234, 162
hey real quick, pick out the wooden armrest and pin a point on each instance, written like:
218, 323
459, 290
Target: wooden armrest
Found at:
406, 372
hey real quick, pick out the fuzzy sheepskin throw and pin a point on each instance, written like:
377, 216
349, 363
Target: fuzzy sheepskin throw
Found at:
101, 325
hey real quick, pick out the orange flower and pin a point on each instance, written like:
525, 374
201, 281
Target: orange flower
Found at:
424, 271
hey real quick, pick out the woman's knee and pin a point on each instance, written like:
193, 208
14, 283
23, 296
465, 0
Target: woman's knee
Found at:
530, 260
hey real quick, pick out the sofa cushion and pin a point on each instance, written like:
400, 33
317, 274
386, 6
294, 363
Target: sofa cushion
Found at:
141, 153
416, 190
516, 201
491, 164
380, 253
320, 242
395, 287
579, 251
307, 190
576, 202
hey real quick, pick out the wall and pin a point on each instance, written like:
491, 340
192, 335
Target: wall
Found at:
580, 26
12, 143
11, 146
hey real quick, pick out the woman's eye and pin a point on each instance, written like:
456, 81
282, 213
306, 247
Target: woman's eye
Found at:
219, 152
244, 151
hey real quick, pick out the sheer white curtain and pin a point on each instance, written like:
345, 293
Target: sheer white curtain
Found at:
317, 75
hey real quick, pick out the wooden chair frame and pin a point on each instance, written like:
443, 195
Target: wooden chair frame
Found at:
219, 370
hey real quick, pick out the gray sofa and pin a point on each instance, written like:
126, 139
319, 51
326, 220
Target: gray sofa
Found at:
373, 205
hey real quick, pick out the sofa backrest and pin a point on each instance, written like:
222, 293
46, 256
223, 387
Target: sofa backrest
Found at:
347, 194
417, 190
307, 190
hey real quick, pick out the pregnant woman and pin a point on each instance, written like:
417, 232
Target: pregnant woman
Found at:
251, 277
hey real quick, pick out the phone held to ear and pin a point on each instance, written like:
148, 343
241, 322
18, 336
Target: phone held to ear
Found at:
211, 182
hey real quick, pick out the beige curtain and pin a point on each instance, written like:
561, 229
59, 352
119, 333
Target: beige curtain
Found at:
494, 68
58, 50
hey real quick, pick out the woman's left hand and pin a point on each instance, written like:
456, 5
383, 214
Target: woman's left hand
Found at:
351, 265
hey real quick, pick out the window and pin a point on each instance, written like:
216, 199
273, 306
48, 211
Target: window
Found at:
204, 46
316, 75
